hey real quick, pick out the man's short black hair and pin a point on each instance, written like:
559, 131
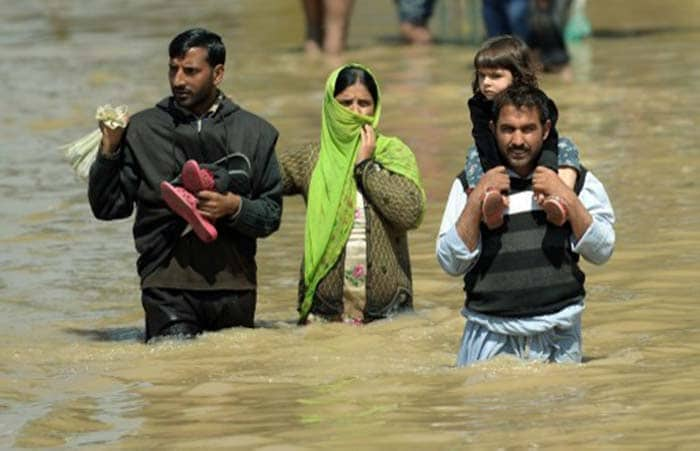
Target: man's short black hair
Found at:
199, 37
521, 96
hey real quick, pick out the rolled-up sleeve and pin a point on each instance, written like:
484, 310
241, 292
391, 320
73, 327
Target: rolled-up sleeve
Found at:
453, 255
598, 241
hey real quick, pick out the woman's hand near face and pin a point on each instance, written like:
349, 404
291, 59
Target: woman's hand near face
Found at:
368, 142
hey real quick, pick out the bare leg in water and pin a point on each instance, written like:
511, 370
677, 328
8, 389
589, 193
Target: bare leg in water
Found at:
337, 21
327, 24
413, 18
313, 11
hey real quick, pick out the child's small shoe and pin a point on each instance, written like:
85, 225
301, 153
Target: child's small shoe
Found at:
555, 209
196, 179
184, 204
492, 207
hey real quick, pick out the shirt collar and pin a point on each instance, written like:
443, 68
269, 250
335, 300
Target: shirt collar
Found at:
213, 109
514, 174
215, 106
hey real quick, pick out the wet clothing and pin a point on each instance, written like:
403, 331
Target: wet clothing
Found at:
416, 12
547, 338
331, 191
481, 113
189, 313
546, 36
542, 317
540, 25
517, 260
393, 205
156, 144
355, 267
506, 17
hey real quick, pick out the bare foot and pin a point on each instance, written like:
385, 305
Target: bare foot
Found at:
567, 74
312, 48
492, 207
415, 34
564, 72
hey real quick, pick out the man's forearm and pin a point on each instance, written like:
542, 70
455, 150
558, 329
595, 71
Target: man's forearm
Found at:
109, 192
597, 243
452, 253
467, 225
257, 218
579, 218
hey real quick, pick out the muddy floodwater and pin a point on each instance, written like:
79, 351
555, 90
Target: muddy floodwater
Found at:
75, 373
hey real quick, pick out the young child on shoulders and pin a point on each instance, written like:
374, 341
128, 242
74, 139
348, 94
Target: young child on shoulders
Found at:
501, 62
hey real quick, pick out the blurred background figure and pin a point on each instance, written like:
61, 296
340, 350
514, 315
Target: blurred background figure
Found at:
506, 17
577, 26
546, 37
544, 24
413, 20
327, 23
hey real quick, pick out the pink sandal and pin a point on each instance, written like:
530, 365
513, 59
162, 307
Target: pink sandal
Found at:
556, 211
492, 207
196, 179
184, 204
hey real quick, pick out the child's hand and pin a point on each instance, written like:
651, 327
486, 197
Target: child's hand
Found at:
368, 142
546, 182
494, 179
567, 175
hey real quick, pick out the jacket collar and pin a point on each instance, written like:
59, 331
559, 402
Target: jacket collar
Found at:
223, 106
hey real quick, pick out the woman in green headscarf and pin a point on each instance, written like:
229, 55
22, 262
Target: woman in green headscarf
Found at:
363, 193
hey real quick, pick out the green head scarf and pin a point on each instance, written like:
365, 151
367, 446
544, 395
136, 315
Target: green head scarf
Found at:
331, 199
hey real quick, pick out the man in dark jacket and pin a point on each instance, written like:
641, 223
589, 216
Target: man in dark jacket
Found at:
189, 286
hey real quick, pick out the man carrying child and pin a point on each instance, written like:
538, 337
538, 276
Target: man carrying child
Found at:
525, 290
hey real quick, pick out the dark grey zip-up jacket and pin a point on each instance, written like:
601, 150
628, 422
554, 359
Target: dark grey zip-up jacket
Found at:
157, 143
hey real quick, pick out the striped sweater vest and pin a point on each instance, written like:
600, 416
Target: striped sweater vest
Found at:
526, 267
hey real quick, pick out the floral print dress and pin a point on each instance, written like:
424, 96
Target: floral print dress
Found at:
354, 292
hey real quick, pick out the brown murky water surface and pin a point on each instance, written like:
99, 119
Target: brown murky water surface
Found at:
73, 370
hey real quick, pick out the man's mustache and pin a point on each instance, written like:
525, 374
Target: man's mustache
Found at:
519, 147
